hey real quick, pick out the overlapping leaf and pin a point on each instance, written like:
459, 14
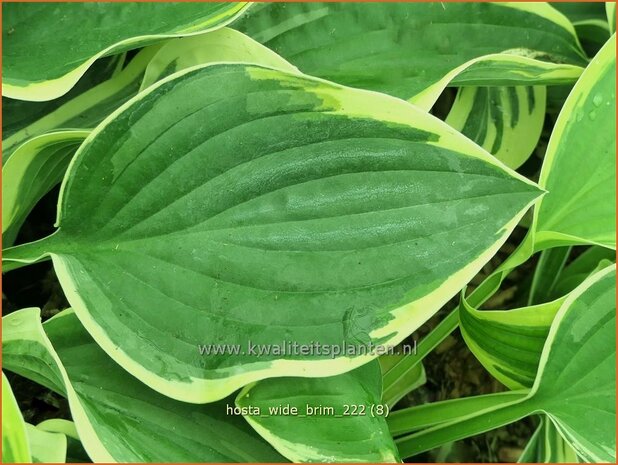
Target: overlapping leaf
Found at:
15, 448
575, 383
506, 121
17, 115
49, 46
117, 417
547, 446
251, 203
353, 431
413, 50
578, 172
33, 170
85, 109
224, 45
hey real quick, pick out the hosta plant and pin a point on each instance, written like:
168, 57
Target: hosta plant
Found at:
272, 218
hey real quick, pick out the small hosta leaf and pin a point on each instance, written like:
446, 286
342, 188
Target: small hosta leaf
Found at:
508, 342
333, 419
45, 446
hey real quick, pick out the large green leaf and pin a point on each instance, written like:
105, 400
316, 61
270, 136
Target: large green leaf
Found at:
575, 383
15, 448
506, 121
256, 205
33, 170
85, 109
335, 420
47, 47
117, 417
579, 170
413, 50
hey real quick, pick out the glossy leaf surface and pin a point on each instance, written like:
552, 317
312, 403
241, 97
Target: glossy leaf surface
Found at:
47, 47
269, 204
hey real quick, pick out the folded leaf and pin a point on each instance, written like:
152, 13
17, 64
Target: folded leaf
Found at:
505, 121
412, 50
508, 343
224, 45
45, 446
335, 419
575, 383
47, 47
33, 170
547, 446
117, 417
256, 206
85, 109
